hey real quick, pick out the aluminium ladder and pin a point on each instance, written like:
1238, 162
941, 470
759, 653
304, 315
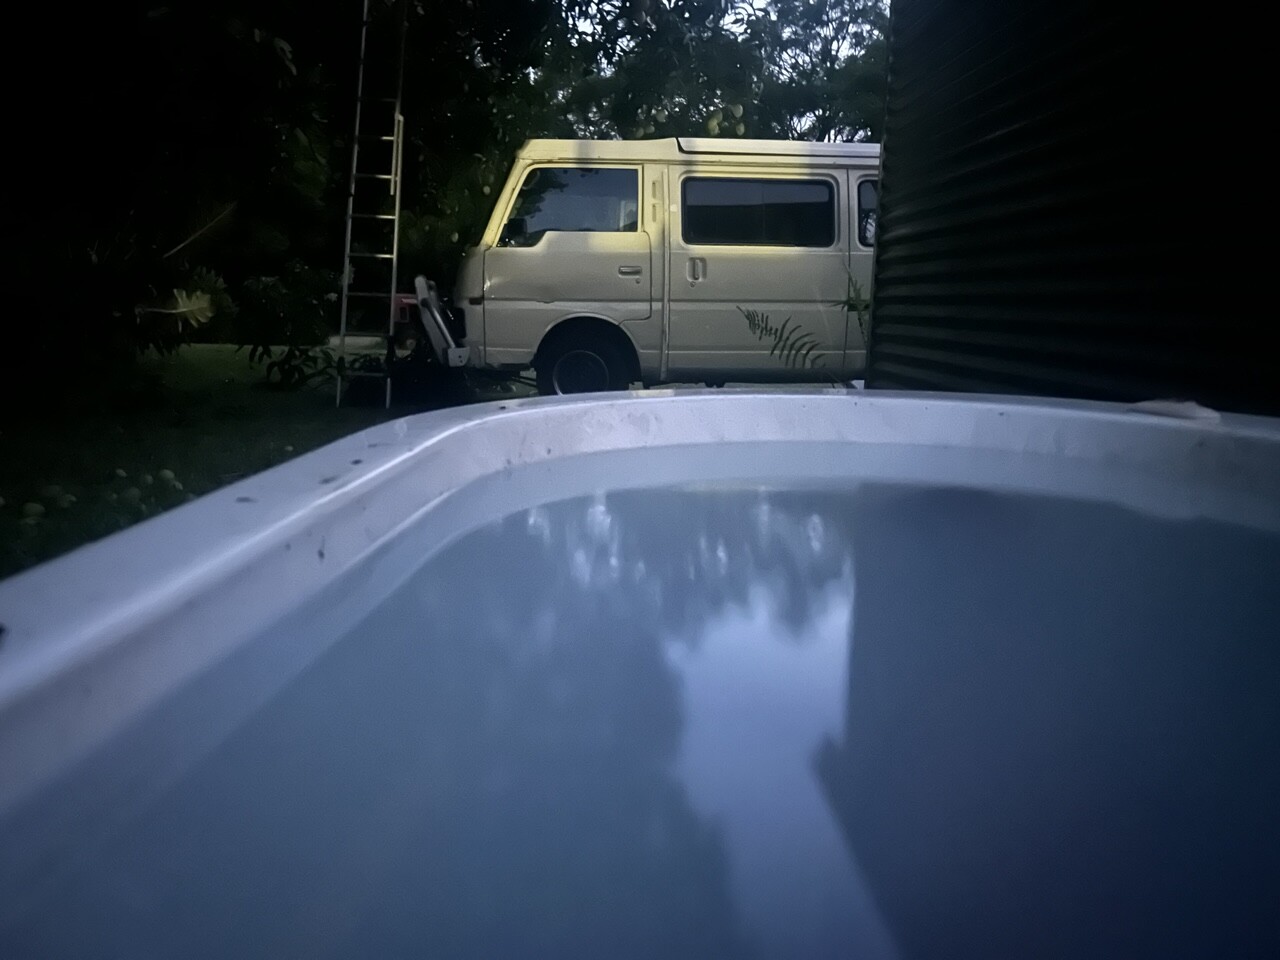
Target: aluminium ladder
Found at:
372, 242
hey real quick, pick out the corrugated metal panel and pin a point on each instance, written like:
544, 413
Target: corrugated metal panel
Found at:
1053, 215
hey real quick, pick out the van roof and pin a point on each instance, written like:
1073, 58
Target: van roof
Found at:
679, 148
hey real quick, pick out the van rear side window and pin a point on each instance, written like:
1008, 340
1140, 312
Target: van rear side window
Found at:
575, 200
743, 212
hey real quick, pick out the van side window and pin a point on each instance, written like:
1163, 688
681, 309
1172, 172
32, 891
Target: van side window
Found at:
739, 211
868, 200
573, 199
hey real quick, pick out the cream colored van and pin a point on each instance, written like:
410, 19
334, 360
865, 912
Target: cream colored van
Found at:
683, 260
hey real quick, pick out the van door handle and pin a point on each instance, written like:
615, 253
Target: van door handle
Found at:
695, 269
629, 271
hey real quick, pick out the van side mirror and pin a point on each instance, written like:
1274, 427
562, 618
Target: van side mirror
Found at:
515, 233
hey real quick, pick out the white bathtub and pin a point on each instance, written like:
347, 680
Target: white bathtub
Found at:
685, 674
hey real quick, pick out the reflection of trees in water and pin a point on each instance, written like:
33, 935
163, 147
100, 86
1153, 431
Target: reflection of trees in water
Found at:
560, 824
677, 558
484, 767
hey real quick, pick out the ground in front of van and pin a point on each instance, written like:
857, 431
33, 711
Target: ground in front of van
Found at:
66, 483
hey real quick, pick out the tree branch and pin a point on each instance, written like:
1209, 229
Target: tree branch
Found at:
231, 206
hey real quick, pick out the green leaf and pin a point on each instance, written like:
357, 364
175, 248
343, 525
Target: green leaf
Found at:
196, 308
285, 52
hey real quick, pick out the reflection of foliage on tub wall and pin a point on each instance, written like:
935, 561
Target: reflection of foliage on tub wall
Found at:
789, 341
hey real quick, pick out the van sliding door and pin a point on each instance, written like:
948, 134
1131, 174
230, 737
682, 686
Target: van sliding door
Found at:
758, 268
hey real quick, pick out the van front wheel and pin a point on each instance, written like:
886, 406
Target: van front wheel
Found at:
580, 364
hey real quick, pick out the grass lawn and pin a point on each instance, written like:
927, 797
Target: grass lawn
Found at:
67, 483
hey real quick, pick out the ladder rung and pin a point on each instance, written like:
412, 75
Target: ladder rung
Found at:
364, 373
368, 293
376, 176
376, 136
373, 216
372, 256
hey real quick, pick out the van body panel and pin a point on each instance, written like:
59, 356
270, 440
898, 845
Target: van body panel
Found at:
860, 270
648, 334
468, 296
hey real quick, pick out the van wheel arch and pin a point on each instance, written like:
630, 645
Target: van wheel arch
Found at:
587, 337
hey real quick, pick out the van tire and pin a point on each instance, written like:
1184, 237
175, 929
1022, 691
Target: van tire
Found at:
580, 362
